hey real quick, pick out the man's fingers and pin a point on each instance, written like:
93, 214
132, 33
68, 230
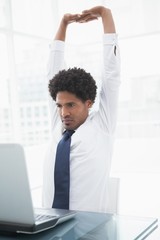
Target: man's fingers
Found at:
86, 18
91, 18
83, 17
71, 17
84, 11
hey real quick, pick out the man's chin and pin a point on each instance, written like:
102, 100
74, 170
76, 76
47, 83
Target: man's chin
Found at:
68, 127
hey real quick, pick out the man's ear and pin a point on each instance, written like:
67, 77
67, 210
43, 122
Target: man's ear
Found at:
89, 103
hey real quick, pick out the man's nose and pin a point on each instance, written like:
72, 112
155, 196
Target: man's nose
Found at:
64, 112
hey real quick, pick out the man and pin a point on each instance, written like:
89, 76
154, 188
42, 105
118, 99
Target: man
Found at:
73, 92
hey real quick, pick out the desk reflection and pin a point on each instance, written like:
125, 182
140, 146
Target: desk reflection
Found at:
94, 226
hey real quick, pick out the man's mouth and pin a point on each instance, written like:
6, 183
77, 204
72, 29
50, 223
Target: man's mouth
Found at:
67, 121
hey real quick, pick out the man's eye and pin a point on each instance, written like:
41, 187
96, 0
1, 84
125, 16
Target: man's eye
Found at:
59, 106
71, 105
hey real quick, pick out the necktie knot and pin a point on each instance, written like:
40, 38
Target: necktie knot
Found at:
67, 134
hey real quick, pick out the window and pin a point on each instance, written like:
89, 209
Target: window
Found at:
24, 41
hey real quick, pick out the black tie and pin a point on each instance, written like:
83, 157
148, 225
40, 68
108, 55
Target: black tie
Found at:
62, 172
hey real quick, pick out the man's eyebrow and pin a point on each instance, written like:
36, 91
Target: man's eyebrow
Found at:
70, 103
59, 104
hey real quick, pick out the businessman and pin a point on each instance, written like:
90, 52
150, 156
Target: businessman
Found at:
91, 134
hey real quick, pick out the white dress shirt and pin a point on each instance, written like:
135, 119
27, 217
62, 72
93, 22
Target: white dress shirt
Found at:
92, 143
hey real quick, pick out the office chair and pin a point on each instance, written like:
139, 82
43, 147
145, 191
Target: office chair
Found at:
113, 195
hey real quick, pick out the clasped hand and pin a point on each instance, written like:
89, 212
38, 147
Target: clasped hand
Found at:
85, 16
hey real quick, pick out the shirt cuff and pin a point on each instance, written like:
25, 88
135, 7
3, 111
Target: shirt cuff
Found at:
57, 45
110, 38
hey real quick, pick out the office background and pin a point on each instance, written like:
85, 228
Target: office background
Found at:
26, 29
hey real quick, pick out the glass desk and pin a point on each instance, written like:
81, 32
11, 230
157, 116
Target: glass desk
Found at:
95, 226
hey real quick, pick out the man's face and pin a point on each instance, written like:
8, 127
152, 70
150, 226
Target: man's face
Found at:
72, 110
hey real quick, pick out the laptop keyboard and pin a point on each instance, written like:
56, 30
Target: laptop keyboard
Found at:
42, 218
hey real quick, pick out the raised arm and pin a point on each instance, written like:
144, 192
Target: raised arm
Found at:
108, 100
56, 58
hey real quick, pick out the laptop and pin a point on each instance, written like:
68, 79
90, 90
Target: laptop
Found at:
16, 208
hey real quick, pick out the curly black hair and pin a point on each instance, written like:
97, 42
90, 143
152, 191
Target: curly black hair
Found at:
76, 81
